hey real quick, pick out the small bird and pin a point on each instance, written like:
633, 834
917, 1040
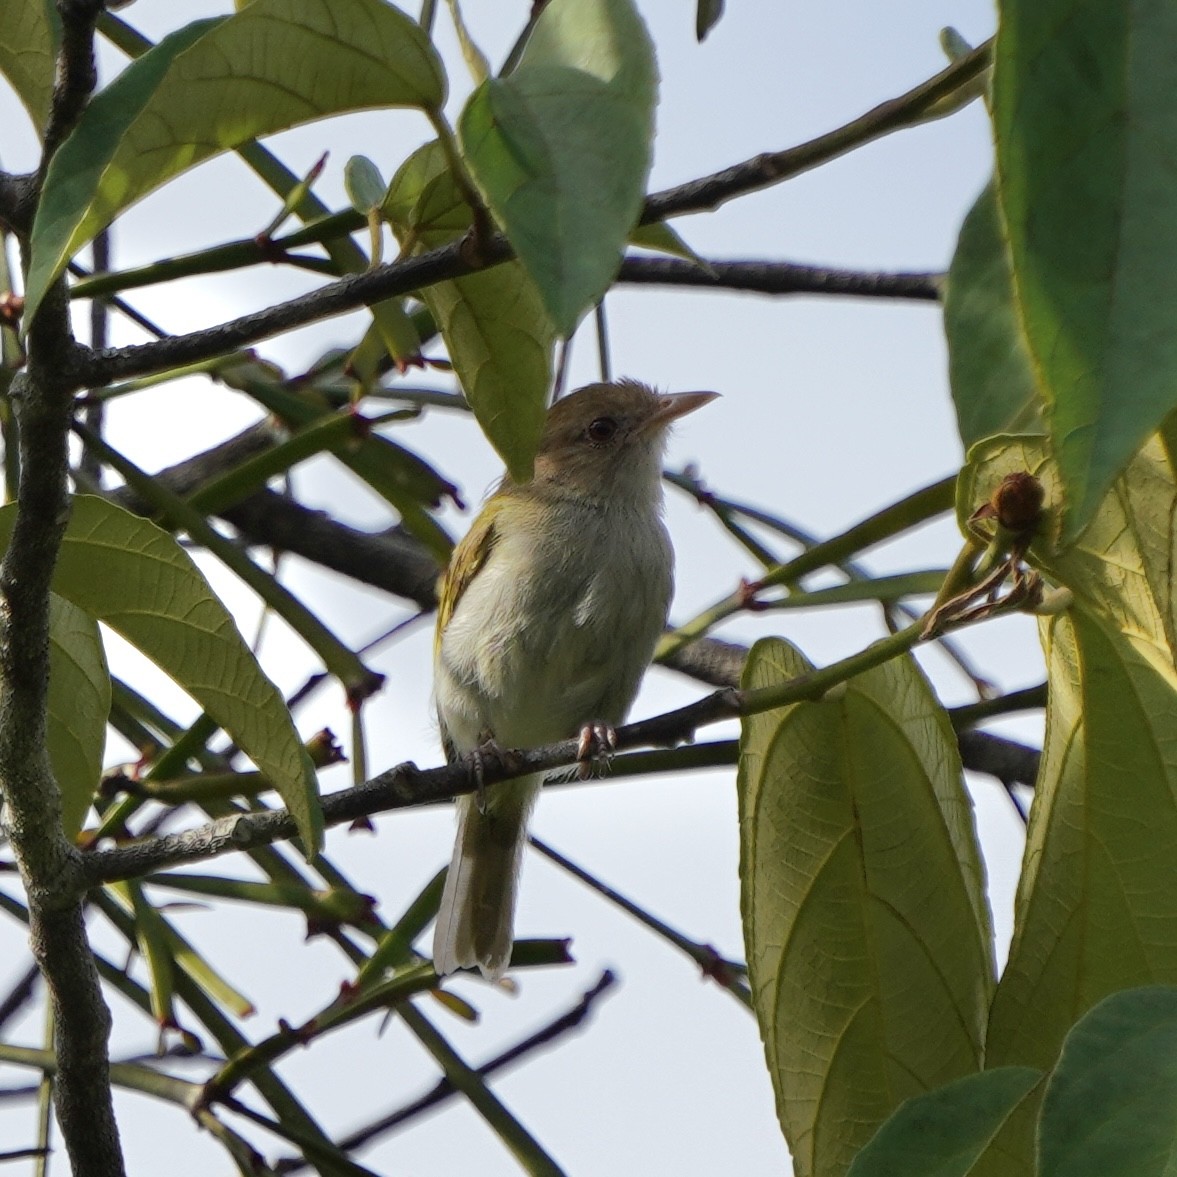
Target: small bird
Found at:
548, 616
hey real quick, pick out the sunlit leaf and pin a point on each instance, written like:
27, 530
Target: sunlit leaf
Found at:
865, 920
29, 34
662, 238
561, 148
78, 707
135, 577
214, 85
1095, 910
498, 335
476, 61
1086, 129
1122, 565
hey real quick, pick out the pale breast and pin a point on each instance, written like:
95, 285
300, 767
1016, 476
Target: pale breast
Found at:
552, 635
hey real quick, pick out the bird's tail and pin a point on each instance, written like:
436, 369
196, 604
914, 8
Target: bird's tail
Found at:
477, 912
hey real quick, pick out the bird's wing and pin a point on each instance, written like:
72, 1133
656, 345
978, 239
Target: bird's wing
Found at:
465, 562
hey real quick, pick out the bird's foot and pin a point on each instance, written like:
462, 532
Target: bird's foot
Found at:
598, 742
487, 747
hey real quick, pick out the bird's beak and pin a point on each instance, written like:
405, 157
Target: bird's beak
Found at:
673, 405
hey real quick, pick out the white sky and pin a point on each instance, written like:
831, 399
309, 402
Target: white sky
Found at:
832, 407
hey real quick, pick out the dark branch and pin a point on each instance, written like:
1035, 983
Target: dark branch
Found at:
50, 866
77, 74
1007, 760
18, 203
770, 168
392, 560
454, 260
777, 278
334, 299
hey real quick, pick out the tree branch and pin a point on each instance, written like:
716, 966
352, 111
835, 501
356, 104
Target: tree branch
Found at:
444, 1089
770, 168
77, 74
50, 866
18, 203
391, 560
763, 277
336, 298
454, 260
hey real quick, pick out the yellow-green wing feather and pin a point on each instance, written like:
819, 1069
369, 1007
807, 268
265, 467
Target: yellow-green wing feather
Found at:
467, 558
465, 561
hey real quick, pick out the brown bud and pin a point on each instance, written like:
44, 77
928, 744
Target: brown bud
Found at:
11, 308
1017, 502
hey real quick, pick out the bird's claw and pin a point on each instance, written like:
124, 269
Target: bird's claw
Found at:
597, 743
487, 747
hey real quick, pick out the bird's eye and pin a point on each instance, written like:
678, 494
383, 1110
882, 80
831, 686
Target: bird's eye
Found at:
601, 430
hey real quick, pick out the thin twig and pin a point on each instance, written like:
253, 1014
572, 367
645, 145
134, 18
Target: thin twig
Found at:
569, 1021
764, 277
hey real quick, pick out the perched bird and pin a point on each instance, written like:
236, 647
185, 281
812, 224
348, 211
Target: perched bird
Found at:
548, 616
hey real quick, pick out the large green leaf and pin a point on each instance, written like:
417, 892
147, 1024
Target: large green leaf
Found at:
134, 577
29, 34
865, 920
214, 85
1092, 912
1095, 906
79, 704
561, 148
496, 330
1111, 1105
1086, 131
989, 368
942, 1133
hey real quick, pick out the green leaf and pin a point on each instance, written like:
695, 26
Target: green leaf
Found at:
942, 1133
1086, 128
134, 577
989, 367
151, 937
1091, 916
364, 184
659, 237
561, 148
1122, 566
1111, 1104
214, 85
1093, 910
707, 14
79, 704
396, 474
865, 920
29, 35
476, 61
495, 328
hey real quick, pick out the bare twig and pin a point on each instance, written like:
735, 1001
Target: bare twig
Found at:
569, 1021
762, 171
764, 277
19, 996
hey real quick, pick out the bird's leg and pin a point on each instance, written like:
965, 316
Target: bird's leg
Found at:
598, 742
486, 747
